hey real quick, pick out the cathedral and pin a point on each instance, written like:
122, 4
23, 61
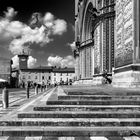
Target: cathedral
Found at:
107, 41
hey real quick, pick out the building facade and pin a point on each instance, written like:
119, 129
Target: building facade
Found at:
37, 75
41, 75
5, 69
62, 76
107, 39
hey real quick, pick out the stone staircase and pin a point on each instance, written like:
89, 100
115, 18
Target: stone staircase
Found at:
80, 114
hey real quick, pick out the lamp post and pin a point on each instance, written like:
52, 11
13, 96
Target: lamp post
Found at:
10, 78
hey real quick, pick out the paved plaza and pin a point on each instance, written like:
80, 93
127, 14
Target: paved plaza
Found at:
74, 113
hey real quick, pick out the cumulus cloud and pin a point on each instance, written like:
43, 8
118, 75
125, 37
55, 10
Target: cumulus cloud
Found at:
72, 45
31, 61
58, 61
23, 35
48, 20
59, 27
10, 13
15, 60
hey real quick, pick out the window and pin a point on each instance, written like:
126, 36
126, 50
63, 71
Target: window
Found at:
54, 79
29, 77
49, 77
42, 77
23, 77
60, 74
67, 74
35, 77
54, 74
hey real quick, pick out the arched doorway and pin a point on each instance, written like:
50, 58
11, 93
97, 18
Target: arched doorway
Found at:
86, 54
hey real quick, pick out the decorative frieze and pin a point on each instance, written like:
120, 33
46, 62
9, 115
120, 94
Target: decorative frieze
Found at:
104, 44
97, 54
112, 41
107, 45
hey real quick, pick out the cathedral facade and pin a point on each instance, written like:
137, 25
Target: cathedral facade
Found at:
107, 39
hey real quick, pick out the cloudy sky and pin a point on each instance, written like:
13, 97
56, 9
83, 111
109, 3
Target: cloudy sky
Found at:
49, 43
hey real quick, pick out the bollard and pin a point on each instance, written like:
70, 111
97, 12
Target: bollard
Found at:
41, 88
36, 89
5, 98
44, 88
27, 91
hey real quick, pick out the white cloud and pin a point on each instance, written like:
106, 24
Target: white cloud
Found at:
15, 28
31, 61
10, 13
60, 26
48, 19
57, 26
58, 61
54, 61
72, 45
23, 35
15, 60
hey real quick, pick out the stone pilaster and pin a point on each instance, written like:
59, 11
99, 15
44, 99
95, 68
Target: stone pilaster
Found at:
127, 64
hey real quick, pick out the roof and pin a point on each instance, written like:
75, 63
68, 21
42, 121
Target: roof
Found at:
38, 69
49, 69
64, 70
43, 67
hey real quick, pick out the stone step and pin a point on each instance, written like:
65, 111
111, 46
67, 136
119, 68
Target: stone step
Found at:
65, 114
105, 93
87, 108
68, 131
86, 93
83, 122
96, 97
95, 102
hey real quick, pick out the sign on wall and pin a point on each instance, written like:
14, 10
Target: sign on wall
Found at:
124, 33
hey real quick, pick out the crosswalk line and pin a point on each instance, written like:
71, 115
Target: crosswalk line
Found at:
4, 138
66, 138
98, 138
132, 138
16, 138
115, 138
33, 138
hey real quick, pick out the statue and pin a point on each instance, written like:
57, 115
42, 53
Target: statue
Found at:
37, 21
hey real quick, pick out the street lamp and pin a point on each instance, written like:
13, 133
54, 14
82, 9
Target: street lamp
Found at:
10, 78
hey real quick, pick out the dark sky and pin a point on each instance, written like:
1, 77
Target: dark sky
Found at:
61, 9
